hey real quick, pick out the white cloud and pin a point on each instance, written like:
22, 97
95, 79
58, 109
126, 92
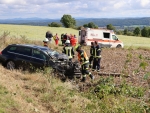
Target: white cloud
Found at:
76, 8
145, 3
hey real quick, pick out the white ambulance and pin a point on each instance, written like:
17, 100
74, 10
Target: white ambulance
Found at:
105, 37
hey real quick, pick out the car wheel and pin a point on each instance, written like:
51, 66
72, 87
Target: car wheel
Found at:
118, 46
10, 65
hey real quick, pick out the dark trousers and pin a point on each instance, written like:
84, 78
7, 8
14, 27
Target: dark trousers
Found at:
62, 42
85, 69
96, 63
90, 59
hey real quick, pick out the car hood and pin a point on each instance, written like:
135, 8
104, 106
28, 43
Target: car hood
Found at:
62, 56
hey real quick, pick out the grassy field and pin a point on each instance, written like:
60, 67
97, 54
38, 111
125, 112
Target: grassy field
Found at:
34, 32
38, 33
133, 41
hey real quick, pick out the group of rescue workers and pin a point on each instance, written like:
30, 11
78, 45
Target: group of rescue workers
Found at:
64, 37
72, 38
95, 56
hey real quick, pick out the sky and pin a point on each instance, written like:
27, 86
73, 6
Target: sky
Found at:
55, 9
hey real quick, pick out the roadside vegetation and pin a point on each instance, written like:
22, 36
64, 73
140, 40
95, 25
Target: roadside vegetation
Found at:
40, 92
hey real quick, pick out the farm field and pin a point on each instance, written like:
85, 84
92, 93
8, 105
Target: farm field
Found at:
38, 33
39, 92
34, 32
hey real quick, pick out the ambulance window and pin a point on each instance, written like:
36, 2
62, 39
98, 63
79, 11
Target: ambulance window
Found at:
114, 37
106, 35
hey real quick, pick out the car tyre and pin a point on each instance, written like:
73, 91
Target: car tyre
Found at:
10, 65
118, 46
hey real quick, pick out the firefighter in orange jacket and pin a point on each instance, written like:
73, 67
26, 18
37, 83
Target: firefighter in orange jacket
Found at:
83, 59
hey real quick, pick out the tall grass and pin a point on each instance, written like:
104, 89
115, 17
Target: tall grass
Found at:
7, 104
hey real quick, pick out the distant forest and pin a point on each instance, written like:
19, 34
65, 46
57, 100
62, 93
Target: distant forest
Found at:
119, 23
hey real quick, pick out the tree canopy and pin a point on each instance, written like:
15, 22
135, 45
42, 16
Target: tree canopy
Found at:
54, 24
111, 27
137, 31
68, 21
90, 25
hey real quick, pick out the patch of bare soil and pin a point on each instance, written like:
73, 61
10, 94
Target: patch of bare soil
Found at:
132, 64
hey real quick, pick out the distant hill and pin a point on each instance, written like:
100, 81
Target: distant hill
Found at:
101, 22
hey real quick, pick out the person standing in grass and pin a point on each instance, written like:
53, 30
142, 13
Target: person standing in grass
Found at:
49, 36
56, 38
62, 38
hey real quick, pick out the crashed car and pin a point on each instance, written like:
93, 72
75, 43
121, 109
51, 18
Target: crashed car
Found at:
34, 56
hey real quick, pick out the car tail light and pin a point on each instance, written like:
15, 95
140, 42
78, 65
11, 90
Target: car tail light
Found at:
0, 53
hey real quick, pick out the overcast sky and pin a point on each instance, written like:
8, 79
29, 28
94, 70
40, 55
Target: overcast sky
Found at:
55, 9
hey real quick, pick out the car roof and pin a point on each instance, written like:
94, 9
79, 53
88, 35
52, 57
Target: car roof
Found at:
34, 46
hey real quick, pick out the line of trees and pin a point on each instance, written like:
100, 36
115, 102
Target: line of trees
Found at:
137, 31
69, 22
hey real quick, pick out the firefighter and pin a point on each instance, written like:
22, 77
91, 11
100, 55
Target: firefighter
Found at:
68, 50
62, 38
97, 57
84, 61
91, 54
45, 41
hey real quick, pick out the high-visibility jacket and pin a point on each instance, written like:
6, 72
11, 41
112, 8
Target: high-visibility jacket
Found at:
82, 57
68, 50
92, 50
55, 37
97, 52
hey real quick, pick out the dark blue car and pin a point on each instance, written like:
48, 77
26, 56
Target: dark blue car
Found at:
28, 56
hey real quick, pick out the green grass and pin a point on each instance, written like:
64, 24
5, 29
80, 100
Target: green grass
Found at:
133, 41
38, 33
34, 32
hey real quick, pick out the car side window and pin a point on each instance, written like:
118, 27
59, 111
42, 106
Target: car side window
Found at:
12, 49
24, 51
38, 54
